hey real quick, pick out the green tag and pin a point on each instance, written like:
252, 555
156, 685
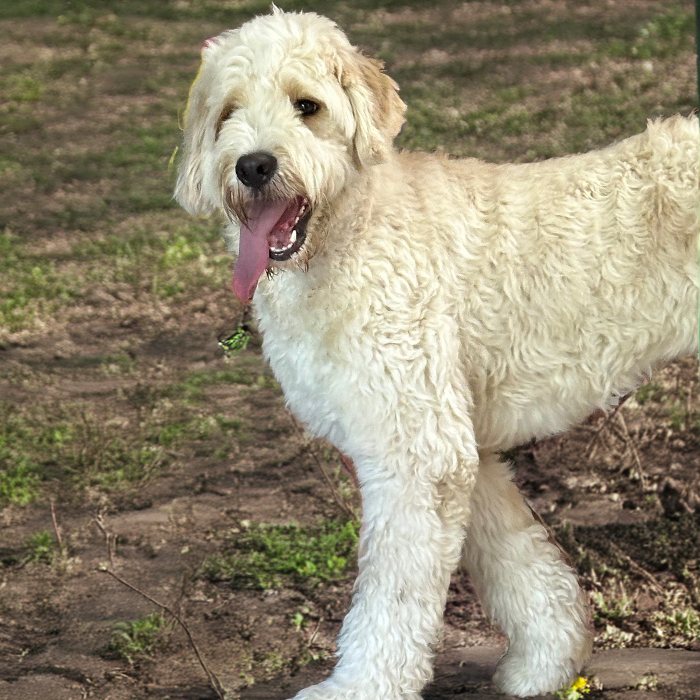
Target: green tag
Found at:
236, 342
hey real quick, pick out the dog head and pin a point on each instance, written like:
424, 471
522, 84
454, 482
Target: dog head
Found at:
284, 115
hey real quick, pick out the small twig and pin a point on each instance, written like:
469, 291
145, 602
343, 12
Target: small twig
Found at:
109, 538
550, 536
592, 447
630, 442
642, 437
639, 569
350, 468
213, 680
349, 511
313, 636
55, 527
689, 403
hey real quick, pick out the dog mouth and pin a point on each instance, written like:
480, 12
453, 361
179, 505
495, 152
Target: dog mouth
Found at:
289, 233
272, 230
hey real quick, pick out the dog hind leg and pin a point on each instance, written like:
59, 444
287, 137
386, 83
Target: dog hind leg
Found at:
525, 586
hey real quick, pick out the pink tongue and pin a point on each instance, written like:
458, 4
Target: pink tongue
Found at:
254, 251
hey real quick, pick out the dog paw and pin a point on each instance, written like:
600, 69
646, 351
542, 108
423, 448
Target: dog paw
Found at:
524, 675
332, 690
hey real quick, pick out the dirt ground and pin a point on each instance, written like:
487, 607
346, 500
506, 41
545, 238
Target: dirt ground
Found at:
639, 551
136, 460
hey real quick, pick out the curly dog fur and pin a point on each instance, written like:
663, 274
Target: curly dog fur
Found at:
426, 313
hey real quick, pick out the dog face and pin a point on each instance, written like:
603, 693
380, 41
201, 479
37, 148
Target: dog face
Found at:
284, 115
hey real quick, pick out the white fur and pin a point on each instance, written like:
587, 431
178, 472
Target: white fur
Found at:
439, 312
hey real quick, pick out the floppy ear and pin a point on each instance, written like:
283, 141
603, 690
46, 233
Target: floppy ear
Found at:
376, 105
190, 175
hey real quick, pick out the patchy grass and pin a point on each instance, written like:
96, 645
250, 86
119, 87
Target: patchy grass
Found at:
663, 544
41, 548
72, 446
176, 264
194, 385
99, 271
679, 627
608, 559
97, 112
611, 609
18, 479
602, 87
84, 13
674, 408
197, 428
266, 556
30, 285
647, 682
168, 265
666, 35
134, 641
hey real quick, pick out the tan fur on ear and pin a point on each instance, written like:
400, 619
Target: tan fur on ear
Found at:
188, 189
378, 109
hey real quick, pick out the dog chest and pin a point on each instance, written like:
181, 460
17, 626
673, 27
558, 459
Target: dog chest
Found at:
312, 379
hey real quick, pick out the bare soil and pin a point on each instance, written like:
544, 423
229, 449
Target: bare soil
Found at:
621, 493
58, 620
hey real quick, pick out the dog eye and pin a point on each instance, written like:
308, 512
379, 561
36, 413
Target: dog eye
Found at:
307, 107
225, 114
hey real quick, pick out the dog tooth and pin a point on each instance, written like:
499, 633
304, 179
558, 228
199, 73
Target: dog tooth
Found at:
293, 238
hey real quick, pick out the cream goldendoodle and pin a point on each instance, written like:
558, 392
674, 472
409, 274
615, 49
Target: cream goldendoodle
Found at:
428, 314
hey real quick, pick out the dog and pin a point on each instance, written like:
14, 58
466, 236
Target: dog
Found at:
425, 314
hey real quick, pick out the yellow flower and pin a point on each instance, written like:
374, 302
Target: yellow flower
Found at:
581, 683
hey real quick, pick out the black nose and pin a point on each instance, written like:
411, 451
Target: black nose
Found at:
256, 169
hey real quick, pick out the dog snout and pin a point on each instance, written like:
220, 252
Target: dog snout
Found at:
256, 169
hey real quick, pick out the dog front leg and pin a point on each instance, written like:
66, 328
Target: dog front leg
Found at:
525, 586
410, 543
